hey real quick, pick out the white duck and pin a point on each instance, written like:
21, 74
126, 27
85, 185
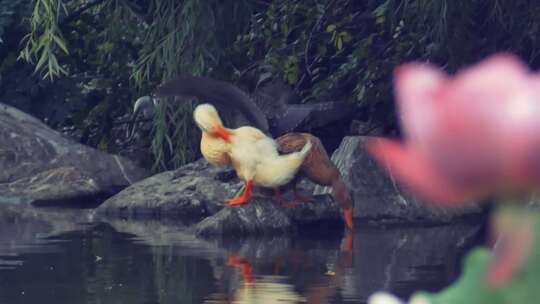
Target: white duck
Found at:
253, 155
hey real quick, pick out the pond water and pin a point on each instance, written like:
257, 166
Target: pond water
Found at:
72, 257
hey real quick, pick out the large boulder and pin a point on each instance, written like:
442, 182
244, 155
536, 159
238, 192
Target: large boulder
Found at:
378, 197
259, 217
40, 166
263, 216
195, 194
193, 191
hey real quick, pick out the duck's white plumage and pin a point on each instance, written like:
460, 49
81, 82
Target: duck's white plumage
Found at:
253, 155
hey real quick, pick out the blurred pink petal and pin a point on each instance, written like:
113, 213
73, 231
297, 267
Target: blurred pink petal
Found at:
415, 172
470, 135
416, 89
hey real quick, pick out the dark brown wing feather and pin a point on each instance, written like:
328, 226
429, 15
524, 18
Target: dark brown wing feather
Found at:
317, 166
215, 91
292, 142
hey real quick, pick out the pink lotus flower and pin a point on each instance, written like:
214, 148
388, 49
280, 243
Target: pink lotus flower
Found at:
467, 136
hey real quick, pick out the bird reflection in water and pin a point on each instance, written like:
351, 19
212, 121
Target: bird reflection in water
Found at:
277, 288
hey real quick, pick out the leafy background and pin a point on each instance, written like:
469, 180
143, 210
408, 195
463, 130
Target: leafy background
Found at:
80, 64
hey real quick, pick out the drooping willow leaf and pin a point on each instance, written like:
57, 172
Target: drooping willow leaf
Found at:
184, 37
46, 39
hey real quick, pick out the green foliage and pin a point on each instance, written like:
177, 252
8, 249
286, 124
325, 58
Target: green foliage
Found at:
167, 50
317, 46
106, 40
45, 39
347, 50
326, 49
136, 45
8, 12
183, 37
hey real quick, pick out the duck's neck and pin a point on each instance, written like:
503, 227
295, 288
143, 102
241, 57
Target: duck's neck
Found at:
215, 150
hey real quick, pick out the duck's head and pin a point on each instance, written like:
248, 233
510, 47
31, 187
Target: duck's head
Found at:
208, 120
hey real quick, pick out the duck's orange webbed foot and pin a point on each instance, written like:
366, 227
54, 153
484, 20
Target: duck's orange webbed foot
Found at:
244, 198
236, 201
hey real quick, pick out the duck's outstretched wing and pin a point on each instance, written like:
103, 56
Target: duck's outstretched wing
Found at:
311, 116
273, 104
215, 91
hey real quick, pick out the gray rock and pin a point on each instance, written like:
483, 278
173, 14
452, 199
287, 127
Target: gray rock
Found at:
198, 190
40, 166
323, 208
263, 215
193, 191
377, 195
259, 217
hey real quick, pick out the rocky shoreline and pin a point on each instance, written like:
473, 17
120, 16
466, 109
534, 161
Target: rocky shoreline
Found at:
41, 167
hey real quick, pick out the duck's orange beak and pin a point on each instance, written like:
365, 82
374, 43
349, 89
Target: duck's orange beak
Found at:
222, 133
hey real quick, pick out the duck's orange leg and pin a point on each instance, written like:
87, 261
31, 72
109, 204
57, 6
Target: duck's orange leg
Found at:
348, 217
244, 198
347, 244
